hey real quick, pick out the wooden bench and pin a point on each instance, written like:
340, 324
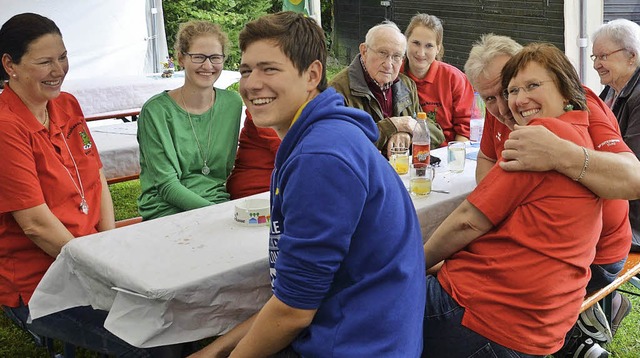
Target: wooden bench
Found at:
127, 222
629, 271
123, 179
115, 115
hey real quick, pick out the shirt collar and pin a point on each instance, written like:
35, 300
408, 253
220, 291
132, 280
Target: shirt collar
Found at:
18, 107
430, 77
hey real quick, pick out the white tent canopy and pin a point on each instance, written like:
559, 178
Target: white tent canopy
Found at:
103, 38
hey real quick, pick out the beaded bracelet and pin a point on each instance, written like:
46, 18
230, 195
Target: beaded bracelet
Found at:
585, 166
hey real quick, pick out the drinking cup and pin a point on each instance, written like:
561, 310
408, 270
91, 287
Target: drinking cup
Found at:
456, 154
400, 160
421, 177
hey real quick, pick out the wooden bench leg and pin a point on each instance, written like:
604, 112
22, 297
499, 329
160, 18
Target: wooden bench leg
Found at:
607, 307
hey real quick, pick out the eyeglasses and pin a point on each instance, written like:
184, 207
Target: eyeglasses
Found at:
384, 55
604, 57
514, 91
198, 58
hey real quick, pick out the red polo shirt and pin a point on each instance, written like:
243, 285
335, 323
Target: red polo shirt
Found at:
33, 163
522, 283
446, 93
615, 240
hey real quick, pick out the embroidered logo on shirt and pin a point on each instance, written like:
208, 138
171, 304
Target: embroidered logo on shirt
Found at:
608, 143
86, 142
432, 115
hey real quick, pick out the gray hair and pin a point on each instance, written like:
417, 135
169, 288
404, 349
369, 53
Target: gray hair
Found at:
383, 25
485, 51
622, 32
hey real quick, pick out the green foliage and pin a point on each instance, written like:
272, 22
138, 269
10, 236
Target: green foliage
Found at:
230, 14
326, 15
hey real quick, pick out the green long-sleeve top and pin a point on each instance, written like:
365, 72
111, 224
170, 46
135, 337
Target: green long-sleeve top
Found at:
171, 164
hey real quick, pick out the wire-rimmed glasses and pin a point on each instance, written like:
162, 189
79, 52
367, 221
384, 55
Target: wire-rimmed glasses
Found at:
604, 56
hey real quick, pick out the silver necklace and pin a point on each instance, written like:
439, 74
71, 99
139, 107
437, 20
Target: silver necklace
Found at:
84, 207
205, 168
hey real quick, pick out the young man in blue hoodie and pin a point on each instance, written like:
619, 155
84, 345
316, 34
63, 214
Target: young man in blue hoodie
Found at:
346, 258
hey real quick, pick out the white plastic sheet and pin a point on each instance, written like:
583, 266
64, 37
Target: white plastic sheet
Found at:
103, 38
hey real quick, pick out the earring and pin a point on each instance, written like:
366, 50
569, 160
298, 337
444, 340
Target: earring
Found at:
568, 107
14, 75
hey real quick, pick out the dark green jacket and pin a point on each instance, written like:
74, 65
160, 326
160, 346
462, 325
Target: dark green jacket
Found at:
350, 82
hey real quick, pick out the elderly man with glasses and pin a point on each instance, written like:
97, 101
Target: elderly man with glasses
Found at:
373, 83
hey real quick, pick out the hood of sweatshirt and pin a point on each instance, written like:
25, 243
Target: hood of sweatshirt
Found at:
328, 105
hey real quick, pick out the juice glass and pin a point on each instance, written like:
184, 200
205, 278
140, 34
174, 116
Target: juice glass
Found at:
400, 160
421, 177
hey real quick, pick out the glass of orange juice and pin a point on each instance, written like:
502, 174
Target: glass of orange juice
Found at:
421, 176
400, 160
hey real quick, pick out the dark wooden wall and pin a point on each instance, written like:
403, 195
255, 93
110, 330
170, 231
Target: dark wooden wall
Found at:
627, 9
351, 21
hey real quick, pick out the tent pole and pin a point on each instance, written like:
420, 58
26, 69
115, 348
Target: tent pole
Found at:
583, 41
154, 36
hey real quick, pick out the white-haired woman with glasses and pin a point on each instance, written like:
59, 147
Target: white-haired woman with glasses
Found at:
616, 57
189, 136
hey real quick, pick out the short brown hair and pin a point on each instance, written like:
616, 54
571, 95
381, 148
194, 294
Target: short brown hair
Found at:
190, 30
556, 62
299, 37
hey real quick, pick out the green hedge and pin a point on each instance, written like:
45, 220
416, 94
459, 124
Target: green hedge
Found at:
230, 14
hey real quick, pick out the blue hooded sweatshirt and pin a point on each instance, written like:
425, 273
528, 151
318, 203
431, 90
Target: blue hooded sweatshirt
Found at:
344, 237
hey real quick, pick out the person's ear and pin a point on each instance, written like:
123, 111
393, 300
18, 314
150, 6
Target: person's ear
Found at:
181, 57
7, 63
363, 49
314, 75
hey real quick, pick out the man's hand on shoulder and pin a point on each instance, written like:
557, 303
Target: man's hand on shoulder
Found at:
533, 148
404, 123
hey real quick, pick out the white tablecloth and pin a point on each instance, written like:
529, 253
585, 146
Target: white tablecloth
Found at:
113, 94
191, 275
118, 148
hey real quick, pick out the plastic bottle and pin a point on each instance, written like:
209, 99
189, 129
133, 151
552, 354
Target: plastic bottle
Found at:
477, 118
421, 147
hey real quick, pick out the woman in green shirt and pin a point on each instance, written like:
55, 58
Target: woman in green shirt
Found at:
188, 136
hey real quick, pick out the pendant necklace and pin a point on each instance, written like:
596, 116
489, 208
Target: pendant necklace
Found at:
84, 207
205, 168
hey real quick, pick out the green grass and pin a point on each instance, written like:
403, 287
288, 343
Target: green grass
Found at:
124, 197
626, 343
15, 342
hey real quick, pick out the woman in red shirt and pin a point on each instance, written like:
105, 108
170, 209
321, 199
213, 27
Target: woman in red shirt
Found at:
444, 91
52, 188
517, 251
